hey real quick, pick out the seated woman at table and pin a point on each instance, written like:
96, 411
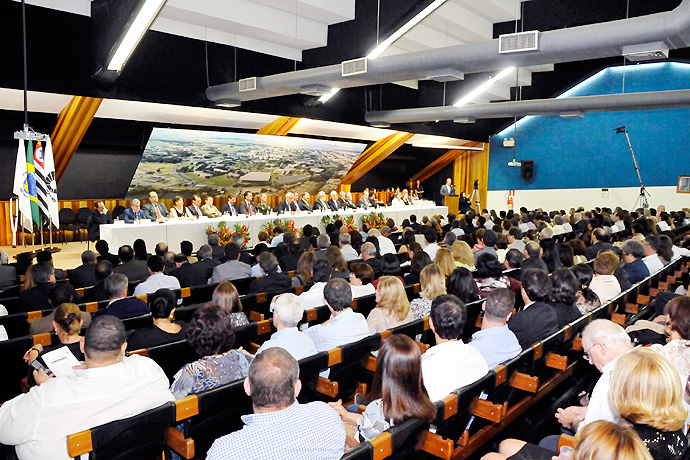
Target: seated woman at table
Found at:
406, 197
162, 304
178, 211
211, 335
209, 209
397, 201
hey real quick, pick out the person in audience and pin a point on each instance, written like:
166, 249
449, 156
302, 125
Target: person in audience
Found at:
154, 209
349, 253
369, 256
665, 251
47, 256
463, 255
444, 259
490, 276
133, 213
156, 279
495, 341
104, 251
550, 254
97, 293
392, 307
461, 285
217, 251
533, 253
579, 249
390, 266
289, 261
565, 288
361, 276
321, 274
305, 267
586, 300
513, 263
272, 281
38, 297
288, 310
120, 305
390, 402
60, 294
134, 270
537, 320
247, 205
67, 322
233, 269
420, 259
433, 284
100, 215
605, 284
450, 364
230, 207
225, 295
161, 249
431, 247
111, 386
632, 253
599, 243
164, 329
385, 244
566, 255
140, 252
514, 238
675, 322
8, 273
211, 335
652, 260
178, 211
271, 432
338, 264
345, 325
186, 248
486, 243
85, 274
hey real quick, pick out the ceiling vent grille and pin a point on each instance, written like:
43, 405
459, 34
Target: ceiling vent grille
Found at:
354, 67
248, 84
521, 41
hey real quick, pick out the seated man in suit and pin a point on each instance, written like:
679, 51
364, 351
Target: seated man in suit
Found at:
364, 202
333, 204
134, 270
197, 273
61, 293
247, 205
537, 320
288, 204
209, 209
97, 293
157, 279
272, 281
600, 242
120, 305
85, 274
154, 209
369, 256
320, 203
232, 269
37, 298
99, 216
304, 204
104, 253
47, 256
289, 261
264, 207
533, 252
8, 274
195, 208
134, 212
230, 207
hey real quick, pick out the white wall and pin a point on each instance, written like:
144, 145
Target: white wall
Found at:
589, 198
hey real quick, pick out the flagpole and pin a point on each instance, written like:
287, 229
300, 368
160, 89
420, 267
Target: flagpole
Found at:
14, 222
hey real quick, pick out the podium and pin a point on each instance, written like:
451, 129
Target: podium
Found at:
452, 201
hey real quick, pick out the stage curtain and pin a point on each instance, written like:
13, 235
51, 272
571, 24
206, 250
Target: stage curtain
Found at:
471, 165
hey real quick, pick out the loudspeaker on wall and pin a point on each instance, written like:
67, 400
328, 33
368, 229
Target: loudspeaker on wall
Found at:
527, 169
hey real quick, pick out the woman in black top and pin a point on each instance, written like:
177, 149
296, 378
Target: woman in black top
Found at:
162, 304
565, 288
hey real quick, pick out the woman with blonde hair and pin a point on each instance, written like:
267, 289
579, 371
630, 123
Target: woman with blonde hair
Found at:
433, 284
305, 267
392, 307
228, 299
463, 255
444, 259
603, 440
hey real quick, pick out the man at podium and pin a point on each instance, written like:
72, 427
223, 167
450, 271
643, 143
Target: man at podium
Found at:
447, 188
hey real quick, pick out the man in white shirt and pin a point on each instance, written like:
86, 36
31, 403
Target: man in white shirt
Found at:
346, 249
450, 364
515, 239
386, 246
558, 229
288, 310
431, 247
157, 278
652, 260
109, 387
321, 273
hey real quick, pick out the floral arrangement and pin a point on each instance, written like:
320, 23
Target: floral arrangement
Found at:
349, 222
326, 220
225, 234
287, 225
374, 220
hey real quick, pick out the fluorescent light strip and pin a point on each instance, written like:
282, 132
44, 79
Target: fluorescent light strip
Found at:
483, 87
442, 146
392, 38
136, 31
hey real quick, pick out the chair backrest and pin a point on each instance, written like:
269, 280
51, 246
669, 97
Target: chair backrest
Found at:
309, 369
67, 216
172, 356
12, 365
83, 215
118, 211
364, 304
349, 372
142, 436
138, 322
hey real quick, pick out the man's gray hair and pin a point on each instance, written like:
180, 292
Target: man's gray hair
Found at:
374, 232
238, 239
577, 216
41, 272
634, 248
547, 233
604, 330
558, 219
323, 241
213, 239
289, 308
385, 229
204, 252
345, 238
135, 202
115, 284
369, 248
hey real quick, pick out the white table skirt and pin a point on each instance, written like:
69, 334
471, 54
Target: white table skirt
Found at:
175, 231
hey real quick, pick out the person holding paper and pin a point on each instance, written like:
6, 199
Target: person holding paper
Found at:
67, 323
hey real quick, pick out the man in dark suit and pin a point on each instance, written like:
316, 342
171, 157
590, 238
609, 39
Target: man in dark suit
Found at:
97, 293
447, 189
537, 320
195, 208
247, 205
288, 204
600, 242
134, 270
364, 202
446, 228
61, 293
134, 212
230, 207
346, 201
532, 254
85, 274
199, 272
272, 281
369, 257
304, 204
414, 224
38, 297
289, 261
8, 274
320, 204
104, 251
333, 204
120, 305
47, 256
99, 216
217, 251
154, 209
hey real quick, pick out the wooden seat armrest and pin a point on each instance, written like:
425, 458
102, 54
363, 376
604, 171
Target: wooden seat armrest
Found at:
577, 344
488, 410
255, 316
618, 318
383, 446
177, 442
326, 387
435, 445
79, 443
264, 327
186, 407
91, 307
566, 440
524, 382
371, 364
253, 348
423, 347
555, 361
34, 315
632, 308
140, 352
44, 339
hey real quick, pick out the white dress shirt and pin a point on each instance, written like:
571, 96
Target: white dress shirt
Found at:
299, 345
349, 253
600, 405
431, 249
451, 365
156, 282
653, 263
386, 246
314, 296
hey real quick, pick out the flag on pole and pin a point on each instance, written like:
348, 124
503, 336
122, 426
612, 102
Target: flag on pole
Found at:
31, 179
21, 187
51, 184
45, 182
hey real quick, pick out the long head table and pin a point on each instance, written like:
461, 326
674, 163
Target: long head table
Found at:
175, 231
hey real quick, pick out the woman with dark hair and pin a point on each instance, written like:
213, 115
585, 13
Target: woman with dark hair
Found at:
665, 251
566, 255
490, 276
211, 335
677, 349
228, 298
390, 266
406, 240
337, 261
585, 299
305, 266
140, 253
356, 240
461, 285
178, 211
420, 259
397, 392
579, 250
565, 288
550, 255
361, 276
162, 304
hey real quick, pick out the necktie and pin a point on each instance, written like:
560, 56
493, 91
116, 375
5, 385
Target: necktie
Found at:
158, 211
249, 207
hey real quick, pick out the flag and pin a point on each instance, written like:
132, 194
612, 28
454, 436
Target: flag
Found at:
31, 180
45, 182
51, 184
21, 187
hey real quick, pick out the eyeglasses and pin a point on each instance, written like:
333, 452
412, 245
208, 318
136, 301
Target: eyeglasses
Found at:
587, 356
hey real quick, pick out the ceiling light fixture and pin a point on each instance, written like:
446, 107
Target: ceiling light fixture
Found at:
136, 31
483, 87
